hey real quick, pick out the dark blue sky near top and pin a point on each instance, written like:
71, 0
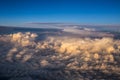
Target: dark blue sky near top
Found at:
17, 12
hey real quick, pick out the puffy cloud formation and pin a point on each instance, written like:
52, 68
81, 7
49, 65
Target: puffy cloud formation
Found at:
58, 57
24, 40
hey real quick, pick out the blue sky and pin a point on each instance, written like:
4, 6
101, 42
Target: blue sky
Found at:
17, 12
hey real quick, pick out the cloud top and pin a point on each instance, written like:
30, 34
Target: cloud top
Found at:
58, 55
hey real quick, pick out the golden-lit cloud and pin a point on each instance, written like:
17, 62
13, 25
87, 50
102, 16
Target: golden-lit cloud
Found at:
59, 53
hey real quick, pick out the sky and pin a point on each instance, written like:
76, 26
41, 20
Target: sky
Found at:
17, 12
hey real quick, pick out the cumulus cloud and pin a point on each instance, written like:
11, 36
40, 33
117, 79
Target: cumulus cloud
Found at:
24, 40
66, 57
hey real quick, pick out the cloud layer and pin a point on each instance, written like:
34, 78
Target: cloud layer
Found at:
58, 57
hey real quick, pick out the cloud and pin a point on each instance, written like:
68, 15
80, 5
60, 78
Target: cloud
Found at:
21, 54
86, 32
23, 39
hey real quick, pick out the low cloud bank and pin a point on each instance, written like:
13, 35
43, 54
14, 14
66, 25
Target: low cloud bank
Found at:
86, 32
68, 58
